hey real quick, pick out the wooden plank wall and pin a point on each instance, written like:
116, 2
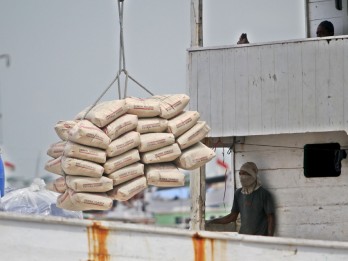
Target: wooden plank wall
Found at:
274, 88
312, 208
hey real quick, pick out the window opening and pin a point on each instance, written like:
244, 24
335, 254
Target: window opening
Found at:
323, 160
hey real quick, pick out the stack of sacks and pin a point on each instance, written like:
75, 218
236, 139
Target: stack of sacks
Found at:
122, 146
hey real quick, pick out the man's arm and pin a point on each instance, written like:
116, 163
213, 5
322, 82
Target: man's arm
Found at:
232, 217
271, 224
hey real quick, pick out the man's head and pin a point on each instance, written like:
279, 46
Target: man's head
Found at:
325, 28
248, 174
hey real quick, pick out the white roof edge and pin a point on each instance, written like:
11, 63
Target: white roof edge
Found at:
195, 49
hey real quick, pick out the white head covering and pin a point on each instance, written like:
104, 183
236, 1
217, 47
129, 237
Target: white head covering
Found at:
251, 168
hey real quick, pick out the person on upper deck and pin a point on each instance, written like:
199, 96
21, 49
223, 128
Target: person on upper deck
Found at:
243, 39
253, 203
325, 28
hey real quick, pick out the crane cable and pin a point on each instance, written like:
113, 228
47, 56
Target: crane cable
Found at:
122, 67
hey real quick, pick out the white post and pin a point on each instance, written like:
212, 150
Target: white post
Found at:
196, 23
197, 178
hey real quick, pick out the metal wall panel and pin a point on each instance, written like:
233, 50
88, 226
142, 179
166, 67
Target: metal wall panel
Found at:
49, 238
273, 88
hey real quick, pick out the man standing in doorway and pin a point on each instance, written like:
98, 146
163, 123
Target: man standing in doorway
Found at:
253, 203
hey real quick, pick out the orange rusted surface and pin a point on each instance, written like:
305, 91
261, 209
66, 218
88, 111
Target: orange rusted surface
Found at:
97, 242
199, 247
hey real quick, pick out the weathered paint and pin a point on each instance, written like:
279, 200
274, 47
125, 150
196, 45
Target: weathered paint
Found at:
56, 239
97, 242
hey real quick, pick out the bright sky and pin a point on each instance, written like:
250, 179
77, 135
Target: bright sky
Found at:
65, 53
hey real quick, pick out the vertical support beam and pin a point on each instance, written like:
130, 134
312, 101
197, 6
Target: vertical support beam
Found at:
197, 188
197, 177
196, 23
307, 22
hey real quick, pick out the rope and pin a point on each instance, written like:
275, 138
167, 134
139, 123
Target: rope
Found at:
122, 58
140, 85
105, 91
122, 66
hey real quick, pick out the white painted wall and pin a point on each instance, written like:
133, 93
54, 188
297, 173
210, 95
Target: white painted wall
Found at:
312, 208
271, 88
51, 238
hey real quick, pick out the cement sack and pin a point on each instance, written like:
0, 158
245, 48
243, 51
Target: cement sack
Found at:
56, 149
182, 122
128, 190
64, 201
105, 112
87, 184
90, 201
193, 135
143, 108
78, 151
127, 173
164, 175
172, 105
121, 161
195, 157
62, 128
121, 125
146, 125
166, 154
153, 141
55, 166
57, 185
124, 143
79, 167
86, 133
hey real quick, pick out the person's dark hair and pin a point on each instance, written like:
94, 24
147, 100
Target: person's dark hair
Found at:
328, 26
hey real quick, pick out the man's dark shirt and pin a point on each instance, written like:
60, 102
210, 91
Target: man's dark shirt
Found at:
253, 209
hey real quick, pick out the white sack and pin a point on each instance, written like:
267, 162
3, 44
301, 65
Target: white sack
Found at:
193, 135
182, 122
166, 154
87, 184
90, 201
83, 152
62, 128
121, 161
64, 201
124, 143
127, 173
146, 125
171, 105
55, 166
56, 149
79, 167
164, 175
86, 133
105, 112
152, 141
58, 185
128, 190
195, 157
143, 107
121, 125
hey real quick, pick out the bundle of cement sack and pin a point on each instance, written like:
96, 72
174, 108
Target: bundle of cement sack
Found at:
120, 147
